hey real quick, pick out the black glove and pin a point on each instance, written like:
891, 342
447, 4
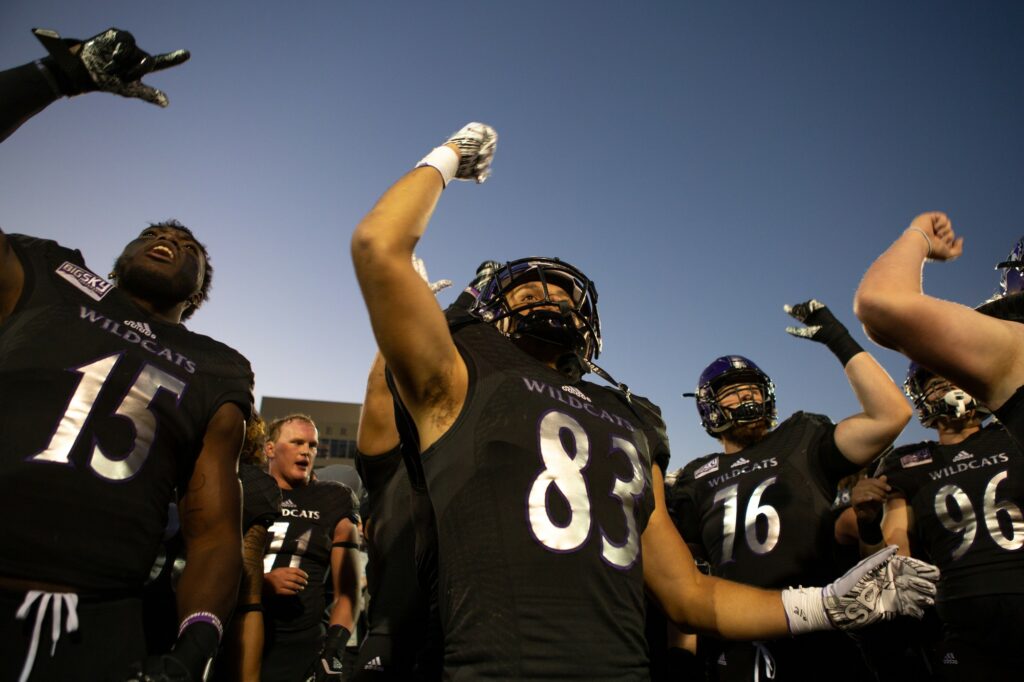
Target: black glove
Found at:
110, 62
328, 666
191, 660
823, 327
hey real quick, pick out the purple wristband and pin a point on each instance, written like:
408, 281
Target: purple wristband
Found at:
202, 617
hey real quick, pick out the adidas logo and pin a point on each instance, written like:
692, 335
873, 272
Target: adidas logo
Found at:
288, 503
374, 664
742, 461
576, 392
141, 327
950, 659
962, 455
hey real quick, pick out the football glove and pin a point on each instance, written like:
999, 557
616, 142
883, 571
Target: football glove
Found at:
476, 143
880, 587
823, 327
328, 667
109, 62
421, 269
191, 660
484, 274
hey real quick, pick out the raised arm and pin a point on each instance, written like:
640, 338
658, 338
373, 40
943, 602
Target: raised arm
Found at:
884, 410
981, 354
110, 62
410, 328
377, 433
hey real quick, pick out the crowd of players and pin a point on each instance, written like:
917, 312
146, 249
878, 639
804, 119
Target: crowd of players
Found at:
520, 519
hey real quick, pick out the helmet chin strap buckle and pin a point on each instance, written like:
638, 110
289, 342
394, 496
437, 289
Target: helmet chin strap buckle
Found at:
958, 403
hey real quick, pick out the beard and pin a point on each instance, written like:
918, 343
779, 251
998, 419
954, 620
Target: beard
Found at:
748, 434
154, 287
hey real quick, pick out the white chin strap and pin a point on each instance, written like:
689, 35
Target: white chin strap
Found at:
959, 401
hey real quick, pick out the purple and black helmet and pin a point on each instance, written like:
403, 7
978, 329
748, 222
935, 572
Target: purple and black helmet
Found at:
726, 371
577, 326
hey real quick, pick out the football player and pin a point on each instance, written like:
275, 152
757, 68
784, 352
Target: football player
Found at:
761, 508
314, 536
961, 499
981, 351
108, 404
550, 517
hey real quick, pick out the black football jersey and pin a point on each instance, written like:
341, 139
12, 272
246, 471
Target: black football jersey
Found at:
967, 501
763, 514
402, 606
541, 490
261, 498
302, 537
103, 409
1011, 415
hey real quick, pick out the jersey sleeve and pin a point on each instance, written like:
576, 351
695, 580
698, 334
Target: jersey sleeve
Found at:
681, 501
834, 465
261, 497
897, 467
338, 502
655, 431
377, 470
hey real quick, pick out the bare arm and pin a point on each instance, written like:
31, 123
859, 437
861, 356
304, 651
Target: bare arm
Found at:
696, 602
885, 411
896, 524
244, 643
981, 354
377, 433
345, 575
409, 326
211, 520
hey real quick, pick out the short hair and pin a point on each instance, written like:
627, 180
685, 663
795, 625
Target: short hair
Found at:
255, 438
274, 427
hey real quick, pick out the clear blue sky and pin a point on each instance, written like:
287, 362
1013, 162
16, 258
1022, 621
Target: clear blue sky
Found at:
704, 162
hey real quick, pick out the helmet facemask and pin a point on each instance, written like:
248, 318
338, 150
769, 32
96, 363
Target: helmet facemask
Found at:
541, 314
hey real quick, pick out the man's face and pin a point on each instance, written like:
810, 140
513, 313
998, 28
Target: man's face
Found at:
163, 265
533, 292
731, 397
737, 394
291, 456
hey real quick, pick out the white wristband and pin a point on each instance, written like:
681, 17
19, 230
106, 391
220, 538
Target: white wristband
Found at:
805, 610
444, 159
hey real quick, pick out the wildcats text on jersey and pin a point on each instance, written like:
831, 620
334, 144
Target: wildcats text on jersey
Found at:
742, 467
131, 336
572, 401
962, 466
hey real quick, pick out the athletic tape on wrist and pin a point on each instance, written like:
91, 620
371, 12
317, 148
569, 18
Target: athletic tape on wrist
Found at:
805, 610
444, 160
926, 238
202, 617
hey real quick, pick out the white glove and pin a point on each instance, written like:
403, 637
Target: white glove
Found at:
880, 587
477, 142
421, 269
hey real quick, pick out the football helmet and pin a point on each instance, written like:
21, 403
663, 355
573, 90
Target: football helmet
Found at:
573, 325
1011, 280
954, 403
726, 371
